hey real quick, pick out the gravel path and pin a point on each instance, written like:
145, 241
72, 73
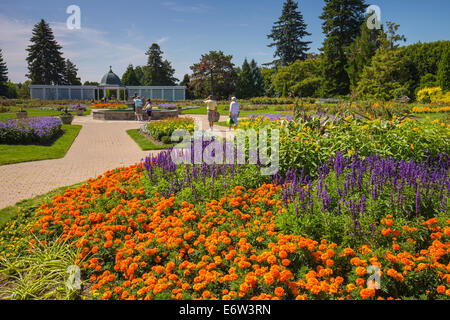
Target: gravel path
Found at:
100, 146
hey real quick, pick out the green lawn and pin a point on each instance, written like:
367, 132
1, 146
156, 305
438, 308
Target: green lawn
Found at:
33, 112
24, 153
143, 142
10, 212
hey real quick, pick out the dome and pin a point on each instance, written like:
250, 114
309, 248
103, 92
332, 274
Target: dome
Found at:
110, 79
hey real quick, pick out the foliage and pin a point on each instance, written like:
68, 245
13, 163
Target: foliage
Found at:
246, 86
40, 274
129, 78
158, 72
257, 78
342, 23
70, 74
444, 70
214, 75
3, 76
388, 71
360, 54
301, 78
288, 34
45, 62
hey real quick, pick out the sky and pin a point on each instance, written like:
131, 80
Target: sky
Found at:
118, 33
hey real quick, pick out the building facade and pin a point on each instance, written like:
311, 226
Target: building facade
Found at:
110, 81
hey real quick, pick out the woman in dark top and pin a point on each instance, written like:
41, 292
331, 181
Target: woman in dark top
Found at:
148, 109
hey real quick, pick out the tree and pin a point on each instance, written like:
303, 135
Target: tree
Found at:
91, 83
214, 75
129, 78
71, 74
246, 87
186, 82
389, 70
23, 90
45, 62
12, 90
360, 53
158, 72
444, 70
342, 23
257, 78
301, 78
3, 76
267, 74
140, 74
287, 34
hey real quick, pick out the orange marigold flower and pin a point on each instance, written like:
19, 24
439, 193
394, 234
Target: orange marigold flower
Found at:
279, 292
441, 289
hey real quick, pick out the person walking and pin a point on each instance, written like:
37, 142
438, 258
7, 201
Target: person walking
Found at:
234, 112
211, 106
148, 109
138, 109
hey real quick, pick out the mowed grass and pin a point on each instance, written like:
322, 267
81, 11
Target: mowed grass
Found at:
224, 111
144, 143
10, 154
10, 212
33, 112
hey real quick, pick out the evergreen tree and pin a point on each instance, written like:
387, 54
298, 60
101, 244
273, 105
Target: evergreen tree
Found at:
257, 78
45, 62
444, 70
129, 78
140, 74
71, 74
360, 53
186, 82
158, 72
3, 76
342, 23
246, 87
287, 34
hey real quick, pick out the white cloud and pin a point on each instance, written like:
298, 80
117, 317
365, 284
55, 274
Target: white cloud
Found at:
92, 50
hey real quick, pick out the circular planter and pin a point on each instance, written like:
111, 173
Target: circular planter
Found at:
66, 118
22, 114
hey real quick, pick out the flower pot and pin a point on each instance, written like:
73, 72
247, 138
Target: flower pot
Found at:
66, 118
79, 112
22, 114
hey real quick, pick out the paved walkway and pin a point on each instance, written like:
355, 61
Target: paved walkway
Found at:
100, 146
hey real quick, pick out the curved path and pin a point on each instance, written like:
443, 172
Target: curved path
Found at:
100, 146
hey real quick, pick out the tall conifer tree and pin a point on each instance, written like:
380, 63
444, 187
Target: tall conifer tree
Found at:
159, 72
342, 24
71, 74
288, 34
45, 62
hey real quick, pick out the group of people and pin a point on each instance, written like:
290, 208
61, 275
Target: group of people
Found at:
214, 115
142, 106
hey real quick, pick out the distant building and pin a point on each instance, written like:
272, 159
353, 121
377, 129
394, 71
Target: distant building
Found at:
110, 81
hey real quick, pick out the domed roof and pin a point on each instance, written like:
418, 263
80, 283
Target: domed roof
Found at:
110, 79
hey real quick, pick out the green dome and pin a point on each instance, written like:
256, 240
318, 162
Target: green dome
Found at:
110, 79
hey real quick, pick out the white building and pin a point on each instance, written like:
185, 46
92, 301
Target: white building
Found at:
110, 81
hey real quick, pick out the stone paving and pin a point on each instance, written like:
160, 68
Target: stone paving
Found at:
99, 147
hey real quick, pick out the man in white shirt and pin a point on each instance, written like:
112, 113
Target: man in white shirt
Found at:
234, 112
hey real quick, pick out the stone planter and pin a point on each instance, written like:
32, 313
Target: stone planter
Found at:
22, 114
66, 118
79, 112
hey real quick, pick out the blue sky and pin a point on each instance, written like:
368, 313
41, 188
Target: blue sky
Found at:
118, 33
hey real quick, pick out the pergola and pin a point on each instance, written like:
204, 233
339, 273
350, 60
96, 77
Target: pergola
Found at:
110, 81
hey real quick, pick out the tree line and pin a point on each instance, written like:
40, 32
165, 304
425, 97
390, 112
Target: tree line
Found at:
353, 60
